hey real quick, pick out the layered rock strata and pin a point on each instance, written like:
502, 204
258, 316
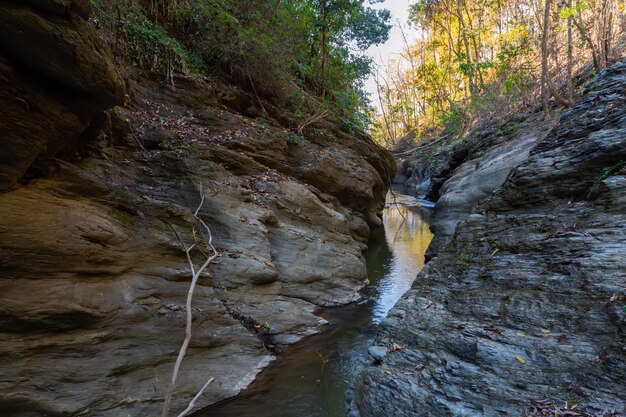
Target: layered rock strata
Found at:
93, 279
527, 300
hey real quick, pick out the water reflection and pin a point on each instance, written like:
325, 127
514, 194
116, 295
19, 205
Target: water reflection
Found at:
407, 233
311, 378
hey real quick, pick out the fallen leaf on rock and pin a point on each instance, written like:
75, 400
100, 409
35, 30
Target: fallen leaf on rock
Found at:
520, 359
520, 334
387, 371
395, 347
545, 331
618, 296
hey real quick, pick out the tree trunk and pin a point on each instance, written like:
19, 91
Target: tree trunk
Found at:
477, 68
602, 34
594, 53
608, 35
545, 95
570, 54
554, 91
468, 57
324, 49
586, 38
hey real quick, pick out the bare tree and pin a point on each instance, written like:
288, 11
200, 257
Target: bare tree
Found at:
210, 255
545, 94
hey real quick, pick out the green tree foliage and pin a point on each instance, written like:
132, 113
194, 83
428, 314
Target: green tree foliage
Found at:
339, 28
306, 54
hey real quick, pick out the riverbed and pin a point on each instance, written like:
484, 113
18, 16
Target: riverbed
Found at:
311, 378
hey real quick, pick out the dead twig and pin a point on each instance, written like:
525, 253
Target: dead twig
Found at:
192, 404
310, 120
195, 275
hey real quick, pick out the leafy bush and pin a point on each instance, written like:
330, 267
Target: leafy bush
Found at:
453, 120
150, 47
141, 41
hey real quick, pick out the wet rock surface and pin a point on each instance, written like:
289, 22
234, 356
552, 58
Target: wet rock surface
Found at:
94, 280
525, 302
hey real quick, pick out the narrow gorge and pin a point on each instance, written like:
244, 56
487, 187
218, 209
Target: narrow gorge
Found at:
523, 299
444, 263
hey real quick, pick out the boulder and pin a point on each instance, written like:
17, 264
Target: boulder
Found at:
378, 353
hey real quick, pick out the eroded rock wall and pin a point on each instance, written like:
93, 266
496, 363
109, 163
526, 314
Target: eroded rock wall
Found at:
526, 302
459, 172
473, 181
92, 277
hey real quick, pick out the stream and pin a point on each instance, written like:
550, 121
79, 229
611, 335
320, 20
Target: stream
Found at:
310, 379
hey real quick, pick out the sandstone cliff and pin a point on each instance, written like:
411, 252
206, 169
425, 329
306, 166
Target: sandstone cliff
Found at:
55, 76
92, 277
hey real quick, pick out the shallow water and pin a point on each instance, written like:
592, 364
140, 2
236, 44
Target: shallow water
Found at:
311, 378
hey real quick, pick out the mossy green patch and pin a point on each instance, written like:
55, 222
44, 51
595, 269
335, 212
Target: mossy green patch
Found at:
124, 217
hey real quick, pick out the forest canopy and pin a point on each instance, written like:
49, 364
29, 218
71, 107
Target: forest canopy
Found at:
476, 60
473, 60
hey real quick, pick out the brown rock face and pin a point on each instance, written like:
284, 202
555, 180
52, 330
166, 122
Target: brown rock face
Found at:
93, 280
55, 75
61, 7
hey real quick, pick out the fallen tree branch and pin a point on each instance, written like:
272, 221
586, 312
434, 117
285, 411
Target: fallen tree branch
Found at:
310, 120
256, 95
556, 94
195, 275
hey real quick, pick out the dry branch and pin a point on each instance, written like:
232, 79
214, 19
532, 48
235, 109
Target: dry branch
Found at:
192, 404
310, 120
555, 93
195, 275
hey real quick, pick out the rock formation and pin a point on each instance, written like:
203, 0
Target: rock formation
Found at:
93, 279
526, 301
55, 76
